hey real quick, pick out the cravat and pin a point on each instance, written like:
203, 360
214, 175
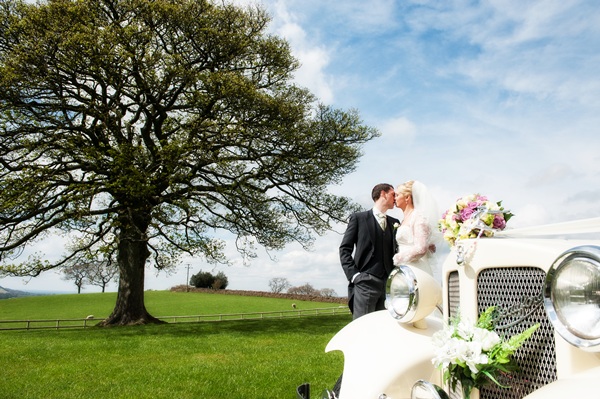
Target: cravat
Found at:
381, 220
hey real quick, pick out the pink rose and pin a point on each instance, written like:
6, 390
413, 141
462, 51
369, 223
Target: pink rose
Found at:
499, 222
466, 212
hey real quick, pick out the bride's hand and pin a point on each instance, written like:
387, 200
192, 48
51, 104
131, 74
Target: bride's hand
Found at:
397, 259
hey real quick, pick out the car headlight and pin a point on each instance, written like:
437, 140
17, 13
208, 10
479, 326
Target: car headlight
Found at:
411, 294
572, 296
425, 390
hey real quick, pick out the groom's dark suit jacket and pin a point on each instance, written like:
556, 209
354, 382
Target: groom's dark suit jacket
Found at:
373, 248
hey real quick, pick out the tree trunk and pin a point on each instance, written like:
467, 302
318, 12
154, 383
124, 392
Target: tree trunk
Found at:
131, 258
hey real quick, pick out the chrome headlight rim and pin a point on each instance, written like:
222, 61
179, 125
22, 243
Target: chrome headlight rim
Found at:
431, 389
413, 293
589, 253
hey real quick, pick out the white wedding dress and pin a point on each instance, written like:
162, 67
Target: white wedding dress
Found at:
414, 237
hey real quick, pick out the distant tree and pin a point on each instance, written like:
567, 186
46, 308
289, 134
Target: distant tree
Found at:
220, 282
202, 280
327, 292
101, 273
142, 127
95, 268
279, 284
76, 272
209, 280
305, 289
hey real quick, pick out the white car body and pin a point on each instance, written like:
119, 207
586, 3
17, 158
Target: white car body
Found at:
511, 268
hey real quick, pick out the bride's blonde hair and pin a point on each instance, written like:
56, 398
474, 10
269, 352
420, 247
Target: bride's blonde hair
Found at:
406, 188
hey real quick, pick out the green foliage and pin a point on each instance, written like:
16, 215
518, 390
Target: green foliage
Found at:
202, 279
486, 319
171, 116
142, 127
221, 282
515, 342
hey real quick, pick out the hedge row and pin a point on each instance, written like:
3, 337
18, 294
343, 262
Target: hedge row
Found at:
314, 298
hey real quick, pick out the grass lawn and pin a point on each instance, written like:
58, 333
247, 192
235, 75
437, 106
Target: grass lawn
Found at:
158, 303
230, 359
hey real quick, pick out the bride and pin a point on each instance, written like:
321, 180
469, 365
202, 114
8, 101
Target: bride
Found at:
417, 235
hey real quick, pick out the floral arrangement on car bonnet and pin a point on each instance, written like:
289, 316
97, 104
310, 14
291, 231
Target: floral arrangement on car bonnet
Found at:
474, 354
459, 221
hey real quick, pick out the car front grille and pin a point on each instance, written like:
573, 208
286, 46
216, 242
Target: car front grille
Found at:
517, 293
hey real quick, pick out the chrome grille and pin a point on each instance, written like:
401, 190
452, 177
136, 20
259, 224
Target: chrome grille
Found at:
453, 293
509, 288
453, 306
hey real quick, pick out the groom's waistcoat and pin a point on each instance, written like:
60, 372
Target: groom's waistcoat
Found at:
380, 264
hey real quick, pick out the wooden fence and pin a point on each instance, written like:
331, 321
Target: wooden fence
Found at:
91, 321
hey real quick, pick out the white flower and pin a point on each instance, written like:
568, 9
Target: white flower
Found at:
440, 338
488, 339
463, 343
448, 353
471, 354
465, 329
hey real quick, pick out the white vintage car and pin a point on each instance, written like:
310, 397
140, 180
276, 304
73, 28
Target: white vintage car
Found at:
548, 275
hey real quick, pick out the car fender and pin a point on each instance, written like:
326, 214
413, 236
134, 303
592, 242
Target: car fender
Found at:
580, 385
383, 356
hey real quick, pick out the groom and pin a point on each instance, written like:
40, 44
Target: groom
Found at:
370, 236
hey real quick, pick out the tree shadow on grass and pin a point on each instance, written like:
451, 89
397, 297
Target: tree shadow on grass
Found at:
308, 324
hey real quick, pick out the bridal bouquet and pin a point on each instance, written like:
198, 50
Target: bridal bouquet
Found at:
463, 217
474, 355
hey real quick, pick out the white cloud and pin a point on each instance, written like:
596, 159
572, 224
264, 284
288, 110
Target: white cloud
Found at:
527, 48
399, 128
553, 173
313, 58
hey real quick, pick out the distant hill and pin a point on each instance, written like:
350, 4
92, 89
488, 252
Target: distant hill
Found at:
6, 293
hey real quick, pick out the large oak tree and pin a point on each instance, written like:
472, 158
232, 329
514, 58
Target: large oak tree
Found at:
144, 128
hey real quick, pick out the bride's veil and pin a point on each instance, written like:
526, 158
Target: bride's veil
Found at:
425, 204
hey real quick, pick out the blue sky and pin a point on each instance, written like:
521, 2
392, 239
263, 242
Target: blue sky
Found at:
498, 97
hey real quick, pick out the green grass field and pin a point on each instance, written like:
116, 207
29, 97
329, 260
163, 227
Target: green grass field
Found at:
231, 359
